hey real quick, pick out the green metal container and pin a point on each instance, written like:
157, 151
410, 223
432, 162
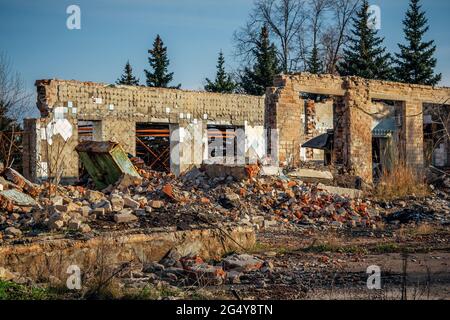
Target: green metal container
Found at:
105, 161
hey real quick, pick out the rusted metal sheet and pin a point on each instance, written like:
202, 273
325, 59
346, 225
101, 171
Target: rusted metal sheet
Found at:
153, 145
105, 161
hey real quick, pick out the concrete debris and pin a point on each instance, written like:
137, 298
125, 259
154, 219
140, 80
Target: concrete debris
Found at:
194, 271
125, 217
237, 172
126, 180
16, 178
17, 198
311, 174
270, 171
351, 193
242, 262
196, 199
128, 202
11, 231
7, 275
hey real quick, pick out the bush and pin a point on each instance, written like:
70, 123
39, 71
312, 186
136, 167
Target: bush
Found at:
13, 291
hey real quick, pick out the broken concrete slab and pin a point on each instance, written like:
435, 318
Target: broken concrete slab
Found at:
7, 275
242, 262
270, 171
126, 180
13, 232
17, 198
311, 174
94, 196
351, 193
130, 203
117, 202
238, 172
125, 217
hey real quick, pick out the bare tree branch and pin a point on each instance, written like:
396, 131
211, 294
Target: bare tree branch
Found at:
285, 20
343, 11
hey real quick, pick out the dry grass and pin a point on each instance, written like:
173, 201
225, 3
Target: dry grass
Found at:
401, 182
425, 229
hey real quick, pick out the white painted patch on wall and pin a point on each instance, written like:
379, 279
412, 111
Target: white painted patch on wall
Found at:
182, 134
58, 126
303, 154
255, 139
97, 100
58, 113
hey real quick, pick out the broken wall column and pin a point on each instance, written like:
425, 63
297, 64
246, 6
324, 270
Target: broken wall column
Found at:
255, 143
57, 157
414, 133
340, 124
359, 148
31, 143
49, 155
285, 110
193, 144
186, 146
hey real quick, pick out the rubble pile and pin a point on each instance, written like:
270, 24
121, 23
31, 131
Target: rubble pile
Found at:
196, 199
194, 271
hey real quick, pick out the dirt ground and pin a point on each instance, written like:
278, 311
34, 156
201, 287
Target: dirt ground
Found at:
313, 265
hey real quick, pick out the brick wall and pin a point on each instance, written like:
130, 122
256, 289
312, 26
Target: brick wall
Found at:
354, 115
96, 101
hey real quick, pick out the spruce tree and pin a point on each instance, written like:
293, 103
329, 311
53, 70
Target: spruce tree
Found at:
365, 56
255, 80
159, 62
223, 82
415, 62
314, 65
127, 77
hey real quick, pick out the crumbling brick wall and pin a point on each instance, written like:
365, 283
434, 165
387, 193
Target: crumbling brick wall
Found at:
353, 107
118, 108
286, 119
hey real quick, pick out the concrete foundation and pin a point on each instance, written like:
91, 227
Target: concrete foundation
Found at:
42, 258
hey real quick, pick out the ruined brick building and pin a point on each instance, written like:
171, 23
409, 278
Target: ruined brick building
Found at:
361, 109
352, 119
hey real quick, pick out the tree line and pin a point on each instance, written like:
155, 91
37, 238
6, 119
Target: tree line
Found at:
316, 36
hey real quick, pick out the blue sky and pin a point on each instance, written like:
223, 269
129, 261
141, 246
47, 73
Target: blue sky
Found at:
34, 35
